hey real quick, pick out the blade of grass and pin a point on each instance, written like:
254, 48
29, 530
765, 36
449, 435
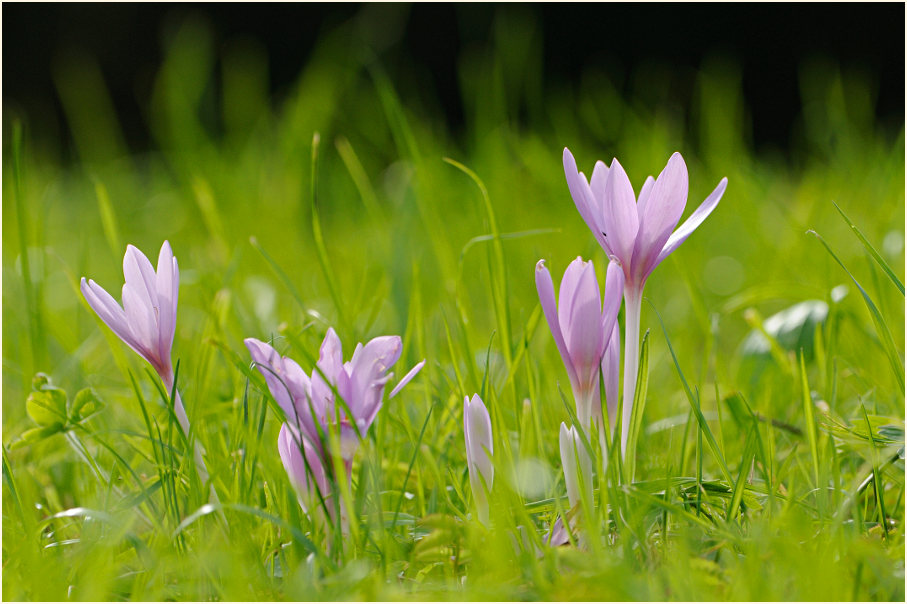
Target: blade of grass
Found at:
703, 424
320, 248
872, 251
897, 366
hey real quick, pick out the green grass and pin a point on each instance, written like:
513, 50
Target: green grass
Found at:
761, 473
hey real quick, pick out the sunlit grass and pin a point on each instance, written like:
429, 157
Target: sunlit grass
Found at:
768, 467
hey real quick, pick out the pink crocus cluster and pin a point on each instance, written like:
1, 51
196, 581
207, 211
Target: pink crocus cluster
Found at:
313, 412
637, 234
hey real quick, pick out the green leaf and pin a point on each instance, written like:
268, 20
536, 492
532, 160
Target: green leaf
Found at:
46, 407
85, 403
37, 434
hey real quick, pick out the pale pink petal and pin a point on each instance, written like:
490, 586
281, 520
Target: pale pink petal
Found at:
611, 374
330, 360
479, 443
582, 328
614, 292
599, 181
644, 196
106, 308
406, 378
545, 288
166, 294
139, 274
294, 453
621, 222
142, 321
693, 222
270, 365
589, 206
663, 209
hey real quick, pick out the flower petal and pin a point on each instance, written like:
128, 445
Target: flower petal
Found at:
693, 222
580, 316
167, 290
586, 201
572, 451
663, 208
620, 222
644, 196
611, 374
142, 323
614, 292
295, 452
139, 275
479, 443
270, 364
330, 359
106, 308
545, 288
406, 378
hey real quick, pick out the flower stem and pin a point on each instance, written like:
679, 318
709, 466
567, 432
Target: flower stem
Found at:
632, 308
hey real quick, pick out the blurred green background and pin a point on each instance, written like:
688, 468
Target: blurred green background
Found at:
217, 158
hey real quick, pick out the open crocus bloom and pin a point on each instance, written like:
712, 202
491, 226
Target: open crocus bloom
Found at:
581, 327
309, 402
640, 234
147, 320
479, 448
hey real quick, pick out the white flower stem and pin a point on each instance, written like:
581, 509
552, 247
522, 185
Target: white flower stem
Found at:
632, 309
180, 411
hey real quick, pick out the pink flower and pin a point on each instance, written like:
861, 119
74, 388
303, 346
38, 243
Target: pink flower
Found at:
147, 320
479, 448
309, 403
639, 234
580, 326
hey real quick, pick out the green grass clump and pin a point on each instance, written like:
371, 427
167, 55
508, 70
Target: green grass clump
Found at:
769, 459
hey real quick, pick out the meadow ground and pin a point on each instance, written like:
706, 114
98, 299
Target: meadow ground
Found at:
769, 464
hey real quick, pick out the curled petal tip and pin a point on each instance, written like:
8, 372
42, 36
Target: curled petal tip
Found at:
540, 265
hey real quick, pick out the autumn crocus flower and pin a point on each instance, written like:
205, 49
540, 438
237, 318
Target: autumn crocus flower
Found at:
639, 234
479, 448
309, 403
577, 466
147, 320
581, 327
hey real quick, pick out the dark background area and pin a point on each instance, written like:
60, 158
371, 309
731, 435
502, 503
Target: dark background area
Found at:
769, 42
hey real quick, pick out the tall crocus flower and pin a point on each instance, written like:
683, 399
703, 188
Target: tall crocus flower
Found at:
581, 327
311, 409
576, 463
479, 448
147, 320
639, 234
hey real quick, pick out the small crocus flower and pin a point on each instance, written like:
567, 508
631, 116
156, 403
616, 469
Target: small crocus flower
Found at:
479, 448
640, 234
581, 327
147, 320
576, 463
309, 402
